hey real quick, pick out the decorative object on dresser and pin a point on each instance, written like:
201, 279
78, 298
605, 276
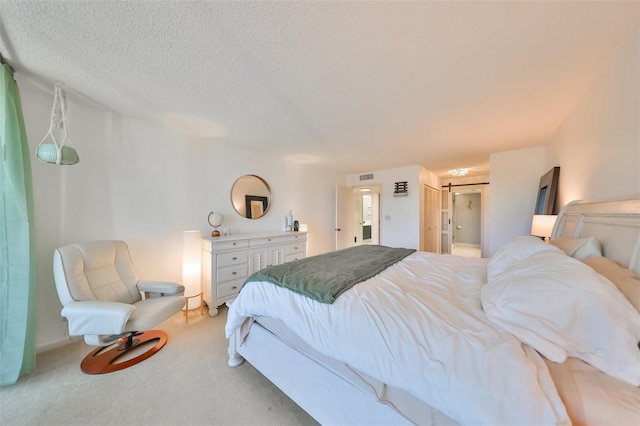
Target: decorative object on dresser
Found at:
228, 261
215, 219
289, 221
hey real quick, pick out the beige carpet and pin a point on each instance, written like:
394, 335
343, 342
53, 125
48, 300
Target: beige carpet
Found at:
187, 383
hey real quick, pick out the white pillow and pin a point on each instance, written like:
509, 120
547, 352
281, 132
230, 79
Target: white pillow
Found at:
560, 306
514, 251
580, 248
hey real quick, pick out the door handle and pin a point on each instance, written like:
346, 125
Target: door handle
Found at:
338, 229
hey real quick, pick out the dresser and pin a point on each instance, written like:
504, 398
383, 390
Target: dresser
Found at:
228, 261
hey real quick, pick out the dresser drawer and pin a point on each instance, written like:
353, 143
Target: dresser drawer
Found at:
232, 273
296, 236
294, 248
232, 258
267, 241
228, 289
228, 245
295, 256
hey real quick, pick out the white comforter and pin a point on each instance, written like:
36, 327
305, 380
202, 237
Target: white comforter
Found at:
419, 326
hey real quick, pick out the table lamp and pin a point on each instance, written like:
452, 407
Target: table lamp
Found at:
215, 220
542, 225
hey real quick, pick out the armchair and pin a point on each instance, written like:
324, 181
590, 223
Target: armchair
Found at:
100, 293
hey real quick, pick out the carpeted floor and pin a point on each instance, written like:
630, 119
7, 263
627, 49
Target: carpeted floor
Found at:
187, 383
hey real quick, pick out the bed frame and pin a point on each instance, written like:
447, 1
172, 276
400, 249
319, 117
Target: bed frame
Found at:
614, 223
331, 399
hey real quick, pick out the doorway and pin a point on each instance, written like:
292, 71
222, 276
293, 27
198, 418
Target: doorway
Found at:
357, 216
463, 221
466, 223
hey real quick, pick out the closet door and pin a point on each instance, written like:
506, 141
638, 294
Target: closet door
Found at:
431, 220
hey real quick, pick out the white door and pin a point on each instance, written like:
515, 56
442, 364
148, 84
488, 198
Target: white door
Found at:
344, 217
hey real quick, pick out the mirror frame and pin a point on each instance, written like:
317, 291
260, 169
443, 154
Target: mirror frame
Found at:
249, 202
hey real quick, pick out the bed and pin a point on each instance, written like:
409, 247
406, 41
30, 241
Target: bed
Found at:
538, 334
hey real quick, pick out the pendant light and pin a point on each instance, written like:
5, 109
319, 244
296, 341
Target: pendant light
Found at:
59, 153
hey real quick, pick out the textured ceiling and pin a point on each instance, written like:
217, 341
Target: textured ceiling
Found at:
357, 86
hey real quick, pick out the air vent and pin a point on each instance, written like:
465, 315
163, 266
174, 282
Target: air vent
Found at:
366, 177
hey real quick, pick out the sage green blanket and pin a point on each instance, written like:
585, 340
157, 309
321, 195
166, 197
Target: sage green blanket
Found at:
326, 276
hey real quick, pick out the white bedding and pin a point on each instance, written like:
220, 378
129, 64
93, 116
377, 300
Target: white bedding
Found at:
432, 339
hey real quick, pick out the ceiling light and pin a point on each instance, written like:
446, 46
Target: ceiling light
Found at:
458, 172
365, 189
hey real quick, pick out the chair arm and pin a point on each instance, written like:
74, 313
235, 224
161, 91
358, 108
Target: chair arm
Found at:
161, 287
96, 317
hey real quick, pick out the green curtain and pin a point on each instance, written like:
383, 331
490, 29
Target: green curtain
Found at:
17, 260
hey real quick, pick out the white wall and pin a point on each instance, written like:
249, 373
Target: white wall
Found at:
598, 146
514, 179
399, 216
139, 182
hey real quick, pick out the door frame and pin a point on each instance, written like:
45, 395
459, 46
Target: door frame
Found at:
345, 221
484, 201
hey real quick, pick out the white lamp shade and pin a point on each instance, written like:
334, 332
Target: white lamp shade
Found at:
191, 267
542, 225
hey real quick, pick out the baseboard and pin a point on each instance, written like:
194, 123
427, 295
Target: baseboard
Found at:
55, 344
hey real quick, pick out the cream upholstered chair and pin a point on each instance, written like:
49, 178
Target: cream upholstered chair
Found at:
101, 297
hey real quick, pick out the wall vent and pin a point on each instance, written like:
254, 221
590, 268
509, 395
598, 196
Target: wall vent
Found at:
366, 177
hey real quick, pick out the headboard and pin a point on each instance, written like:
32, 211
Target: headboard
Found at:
614, 223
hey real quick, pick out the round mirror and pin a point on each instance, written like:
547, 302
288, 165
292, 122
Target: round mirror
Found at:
251, 196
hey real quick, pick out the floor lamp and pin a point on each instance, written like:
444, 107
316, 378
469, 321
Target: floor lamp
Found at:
191, 270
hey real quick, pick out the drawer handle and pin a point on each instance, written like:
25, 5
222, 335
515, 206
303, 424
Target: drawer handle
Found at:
295, 248
234, 244
268, 239
234, 273
234, 258
233, 287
